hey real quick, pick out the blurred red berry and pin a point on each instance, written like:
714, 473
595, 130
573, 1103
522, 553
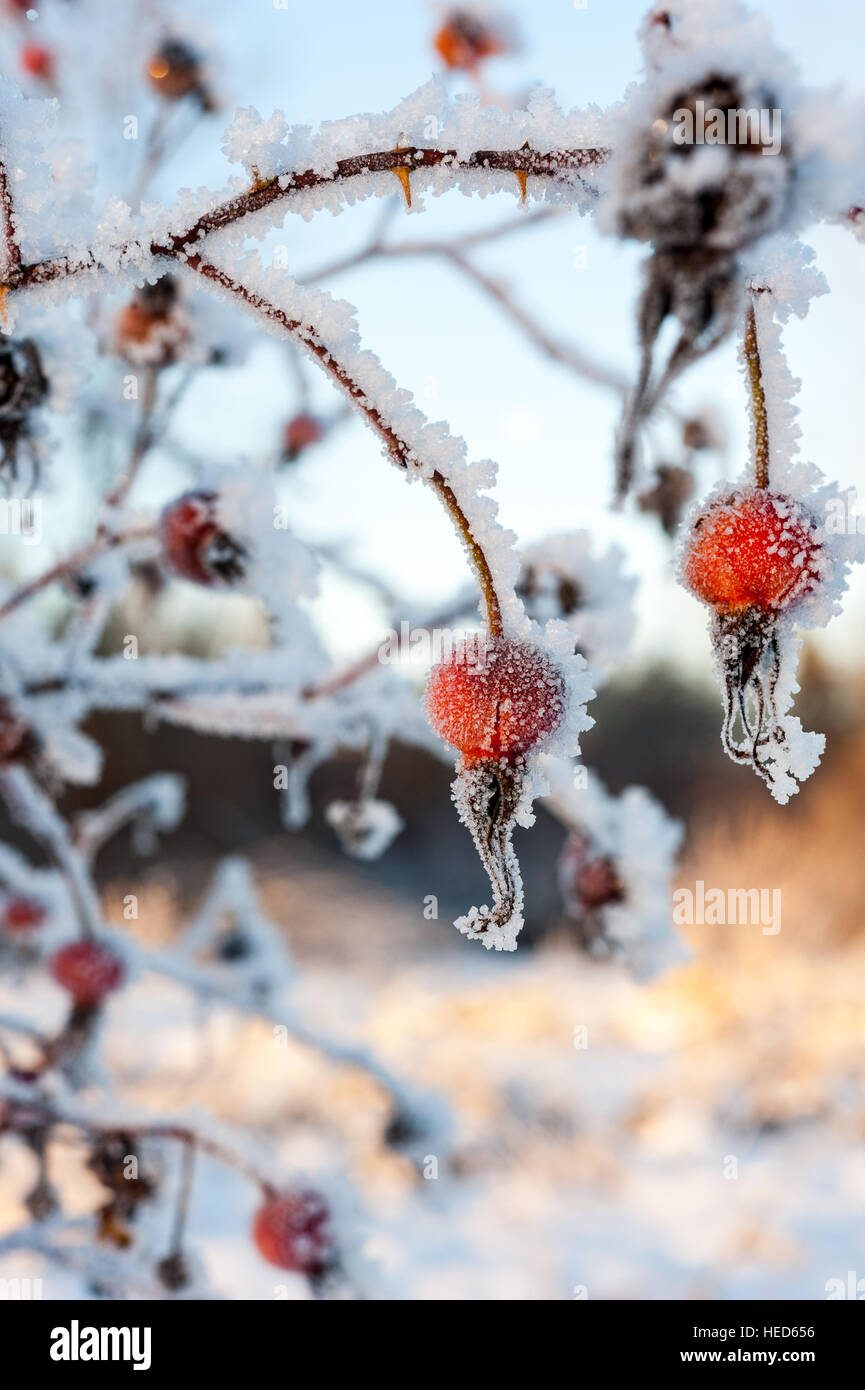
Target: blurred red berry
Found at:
194, 546
89, 970
38, 61
174, 71
22, 914
495, 698
298, 434
753, 550
588, 878
151, 329
292, 1232
464, 40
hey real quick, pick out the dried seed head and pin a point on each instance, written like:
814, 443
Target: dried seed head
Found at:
698, 178
668, 496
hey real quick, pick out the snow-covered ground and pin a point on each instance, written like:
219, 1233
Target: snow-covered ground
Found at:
585, 1136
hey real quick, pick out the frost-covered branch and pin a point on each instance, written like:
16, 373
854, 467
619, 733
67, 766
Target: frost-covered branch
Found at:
281, 187
401, 452
73, 564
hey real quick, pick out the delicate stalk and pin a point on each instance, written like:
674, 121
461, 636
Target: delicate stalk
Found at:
398, 449
72, 564
758, 398
141, 442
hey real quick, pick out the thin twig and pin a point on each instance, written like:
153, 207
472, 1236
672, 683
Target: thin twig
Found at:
398, 449
72, 564
758, 398
184, 1194
141, 442
31, 808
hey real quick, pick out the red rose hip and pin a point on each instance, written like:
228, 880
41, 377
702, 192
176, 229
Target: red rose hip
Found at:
88, 970
174, 71
300, 432
291, 1231
194, 544
465, 39
588, 877
495, 698
22, 915
38, 61
752, 550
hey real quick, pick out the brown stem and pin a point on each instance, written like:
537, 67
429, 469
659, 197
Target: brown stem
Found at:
758, 398
401, 452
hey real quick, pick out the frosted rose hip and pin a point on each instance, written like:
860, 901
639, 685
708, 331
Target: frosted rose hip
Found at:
38, 61
588, 877
194, 545
464, 40
22, 914
298, 434
495, 698
291, 1232
754, 549
88, 970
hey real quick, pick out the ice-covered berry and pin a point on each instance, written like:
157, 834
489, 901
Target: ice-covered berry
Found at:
752, 556
752, 550
292, 1231
21, 914
465, 39
153, 329
495, 698
175, 71
38, 61
298, 434
88, 970
194, 545
588, 878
